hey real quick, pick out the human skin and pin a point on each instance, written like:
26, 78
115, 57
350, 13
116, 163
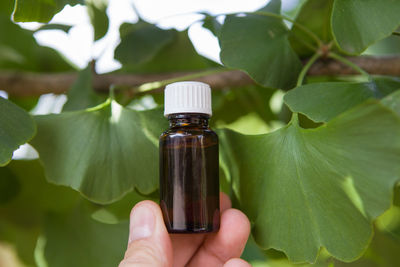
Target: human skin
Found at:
151, 245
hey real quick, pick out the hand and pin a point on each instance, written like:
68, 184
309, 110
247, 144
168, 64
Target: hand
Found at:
150, 244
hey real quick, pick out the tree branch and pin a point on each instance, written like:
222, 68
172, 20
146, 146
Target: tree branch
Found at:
32, 84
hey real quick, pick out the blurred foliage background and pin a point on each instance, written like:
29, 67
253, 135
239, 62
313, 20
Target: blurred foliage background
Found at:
312, 159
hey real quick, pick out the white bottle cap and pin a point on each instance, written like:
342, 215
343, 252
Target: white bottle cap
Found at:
187, 97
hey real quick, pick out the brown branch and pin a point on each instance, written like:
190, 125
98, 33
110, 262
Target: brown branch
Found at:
388, 65
30, 84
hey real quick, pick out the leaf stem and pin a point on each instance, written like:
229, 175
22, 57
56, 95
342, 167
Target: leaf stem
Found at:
396, 33
306, 68
136, 10
295, 119
350, 64
154, 85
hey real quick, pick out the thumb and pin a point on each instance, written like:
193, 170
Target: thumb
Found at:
149, 243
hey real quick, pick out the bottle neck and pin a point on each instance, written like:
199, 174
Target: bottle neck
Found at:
188, 120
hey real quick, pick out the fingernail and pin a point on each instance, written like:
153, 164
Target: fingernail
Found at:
141, 223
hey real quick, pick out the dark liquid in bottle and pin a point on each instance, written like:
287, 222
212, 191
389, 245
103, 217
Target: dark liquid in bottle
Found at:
189, 182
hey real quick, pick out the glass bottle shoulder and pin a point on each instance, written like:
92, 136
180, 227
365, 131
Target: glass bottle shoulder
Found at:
188, 133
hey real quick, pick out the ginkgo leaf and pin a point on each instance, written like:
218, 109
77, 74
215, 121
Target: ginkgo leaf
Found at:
357, 24
9, 186
33, 188
145, 48
98, 17
103, 152
316, 16
39, 10
141, 42
211, 23
323, 101
304, 189
75, 239
16, 128
81, 95
21, 217
18, 47
119, 211
392, 101
259, 45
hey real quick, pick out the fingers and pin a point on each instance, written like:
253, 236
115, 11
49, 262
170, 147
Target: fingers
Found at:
225, 202
228, 243
185, 245
237, 263
149, 243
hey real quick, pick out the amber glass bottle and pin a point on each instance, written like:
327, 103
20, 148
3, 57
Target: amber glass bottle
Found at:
189, 182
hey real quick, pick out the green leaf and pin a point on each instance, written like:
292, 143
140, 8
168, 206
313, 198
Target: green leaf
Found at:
9, 185
357, 24
385, 246
147, 48
179, 55
55, 26
21, 217
119, 211
42, 196
19, 50
392, 101
307, 189
141, 42
23, 240
396, 199
6, 7
25, 102
323, 101
229, 105
98, 16
387, 84
103, 152
77, 240
212, 24
383, 251
252, 252
388, 46
264, 52
316, 16
81, 95
39, 10
17, 127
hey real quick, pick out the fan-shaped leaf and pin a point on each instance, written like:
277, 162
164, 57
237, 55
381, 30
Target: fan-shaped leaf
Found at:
19, 49
76, 239
392, 101
307, 189
16, 128
98, 16
9, 185
119, 211
316, 16
39, 10
103, 152
357, 24
259, 45
21, 217
147, 48
323, 101
81, 95
212, 24
140, 42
